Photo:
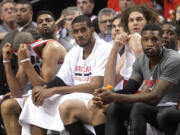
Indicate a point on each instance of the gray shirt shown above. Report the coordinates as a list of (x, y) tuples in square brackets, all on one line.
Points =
[(167, 69), (3, 28), (68, 42)]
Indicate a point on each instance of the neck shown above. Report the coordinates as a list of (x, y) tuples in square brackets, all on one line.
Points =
[(70, 33), (11, 25), (88, 49), (49, 36), (104, 35), (22, 24), (89, 15)]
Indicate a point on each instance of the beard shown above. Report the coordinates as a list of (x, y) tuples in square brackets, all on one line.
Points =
[(86, 43), (107, 31), (153, 53)]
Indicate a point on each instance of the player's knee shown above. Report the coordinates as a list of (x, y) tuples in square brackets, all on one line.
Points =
[(65, 109), (138, 108), (164, 116), (10, 106)]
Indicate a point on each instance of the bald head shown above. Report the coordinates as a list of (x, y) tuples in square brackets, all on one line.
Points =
[(22, 38)]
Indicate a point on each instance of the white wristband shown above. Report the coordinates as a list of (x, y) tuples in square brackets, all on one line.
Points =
[(6, 61), (24, 60)]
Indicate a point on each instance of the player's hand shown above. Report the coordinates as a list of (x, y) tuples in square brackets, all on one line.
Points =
[(103, 97), (39, 94), (7, 51), (120, 40), (134, 41), (23, 52), (6, 96)]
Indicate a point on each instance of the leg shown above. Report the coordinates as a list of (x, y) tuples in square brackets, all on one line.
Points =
[(178, 130), (142, 113), (117, 114), (97, 117), (96, 114), (71, 114), (168, 120), (10, 111), (37, 130)]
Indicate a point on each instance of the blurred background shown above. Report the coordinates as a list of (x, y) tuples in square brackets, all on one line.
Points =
[(56, 6)]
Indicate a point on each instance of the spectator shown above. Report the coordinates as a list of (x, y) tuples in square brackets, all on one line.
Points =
[(87, 7), (169, 7), (8, 17), (175, 18), (124, 4), (116, 26), (105, 17), (120, 5), (69, 14)]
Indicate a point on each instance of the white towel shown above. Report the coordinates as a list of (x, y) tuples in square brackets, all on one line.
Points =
[(47, 116), (128, 62)]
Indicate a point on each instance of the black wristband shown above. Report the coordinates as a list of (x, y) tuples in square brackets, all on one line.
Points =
[(56, 82)]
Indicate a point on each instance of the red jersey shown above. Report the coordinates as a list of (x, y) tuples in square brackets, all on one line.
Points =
[(114, 4)]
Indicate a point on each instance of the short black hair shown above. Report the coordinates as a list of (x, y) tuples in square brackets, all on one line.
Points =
[(170, 23), (152, 27), (177, 28), (45, 12), (25, 2), (22, 38), (82, 18)]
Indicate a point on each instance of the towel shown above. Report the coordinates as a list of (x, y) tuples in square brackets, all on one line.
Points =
[(47, 116)]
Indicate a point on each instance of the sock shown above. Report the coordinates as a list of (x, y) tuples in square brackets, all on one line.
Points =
[(76, 128), (99, 129)]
